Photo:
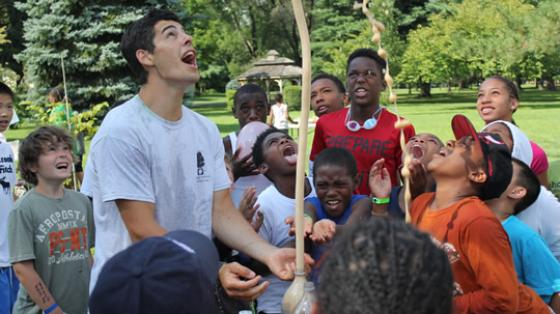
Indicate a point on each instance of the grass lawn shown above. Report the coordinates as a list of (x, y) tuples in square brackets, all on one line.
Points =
[(538, 115)]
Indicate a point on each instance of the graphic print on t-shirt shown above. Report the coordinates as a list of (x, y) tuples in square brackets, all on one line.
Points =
[(67, 234), (6, 167)]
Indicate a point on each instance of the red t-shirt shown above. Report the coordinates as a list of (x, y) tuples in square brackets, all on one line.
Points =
[(367, 146), (480, 255)]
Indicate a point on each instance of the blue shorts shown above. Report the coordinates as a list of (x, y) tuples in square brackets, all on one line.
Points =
[(9, 286)]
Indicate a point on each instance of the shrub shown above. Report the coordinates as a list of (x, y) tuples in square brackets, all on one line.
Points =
[(229, 98), (292, 96)]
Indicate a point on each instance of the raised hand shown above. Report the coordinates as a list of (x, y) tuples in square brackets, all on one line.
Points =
[(242, 167), (248, 204), (379, 179), (307, 225), (323, 231)]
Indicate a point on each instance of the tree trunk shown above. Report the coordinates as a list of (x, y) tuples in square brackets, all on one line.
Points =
[(550, 84), (425, 90), (519, 81)]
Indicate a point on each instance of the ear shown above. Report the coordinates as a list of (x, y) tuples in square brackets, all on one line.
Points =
[(517, 193), (144, 57), (263, 168), (477, 176), (345, 100), (514, 104)]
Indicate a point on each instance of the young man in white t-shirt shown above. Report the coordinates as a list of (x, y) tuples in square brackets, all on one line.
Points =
[(8, 282), (155, 166)]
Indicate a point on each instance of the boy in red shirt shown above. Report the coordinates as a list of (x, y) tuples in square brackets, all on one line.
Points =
[(474, 168), (366, 128)]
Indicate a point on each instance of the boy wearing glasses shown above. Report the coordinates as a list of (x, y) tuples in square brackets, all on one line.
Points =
[(366, 129)]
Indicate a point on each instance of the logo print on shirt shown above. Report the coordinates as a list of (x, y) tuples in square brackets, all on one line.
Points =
[(200, 163), (5, 185)]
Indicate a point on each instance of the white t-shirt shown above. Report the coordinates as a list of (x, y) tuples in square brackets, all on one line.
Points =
[(7, 182), (137, 155), (543, 216), (276, 208), (279, 115)]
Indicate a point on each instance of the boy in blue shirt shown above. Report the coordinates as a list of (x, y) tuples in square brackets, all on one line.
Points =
[(535, 265), (335, 177)]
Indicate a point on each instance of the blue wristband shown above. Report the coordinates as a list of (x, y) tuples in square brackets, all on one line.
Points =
[(51, 308)]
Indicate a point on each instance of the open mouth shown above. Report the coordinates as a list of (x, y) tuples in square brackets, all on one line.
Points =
[(360, 92), (62, 165), (486, 110), (416, 151), (333, 203), (290, 154), (322, 110), (189, 58)]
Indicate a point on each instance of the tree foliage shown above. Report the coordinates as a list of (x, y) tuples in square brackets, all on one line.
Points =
[(86, 35), (479, 38)]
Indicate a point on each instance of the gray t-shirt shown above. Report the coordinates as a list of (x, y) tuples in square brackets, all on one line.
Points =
[(57, 235), (137, 155)]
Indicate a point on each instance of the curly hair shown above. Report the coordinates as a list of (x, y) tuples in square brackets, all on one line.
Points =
[(367, 53), (335, 156), (34, 145), (385, 266), (258, 153)]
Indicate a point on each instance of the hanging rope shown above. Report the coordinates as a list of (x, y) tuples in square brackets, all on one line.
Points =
[(377, 28)]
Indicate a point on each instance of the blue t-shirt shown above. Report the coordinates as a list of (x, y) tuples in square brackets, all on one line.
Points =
[(320, 213), (394, 208), (535, 265)]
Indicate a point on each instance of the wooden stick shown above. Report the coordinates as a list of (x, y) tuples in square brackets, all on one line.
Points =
[(295, 292), (68, 123)]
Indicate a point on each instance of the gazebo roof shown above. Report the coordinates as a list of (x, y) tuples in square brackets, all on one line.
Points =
[(272, 67)]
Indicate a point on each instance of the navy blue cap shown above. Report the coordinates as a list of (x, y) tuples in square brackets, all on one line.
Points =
[(176, 273)]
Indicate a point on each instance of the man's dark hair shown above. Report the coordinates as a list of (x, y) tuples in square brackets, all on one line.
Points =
[(332, 78), (248, 89), (336, 157), (367, 53), (4, 89), (140, 35), (279, 97), (530, 182), (258, 153), (385, 266), (35, 144)]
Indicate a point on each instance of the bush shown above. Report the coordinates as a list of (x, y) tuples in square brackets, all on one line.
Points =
[(292, 97), (229, 98)]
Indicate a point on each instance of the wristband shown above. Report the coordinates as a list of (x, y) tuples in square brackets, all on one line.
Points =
[(50, 308), (380, 201)]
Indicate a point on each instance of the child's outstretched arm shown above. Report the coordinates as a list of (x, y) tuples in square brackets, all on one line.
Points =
[(324, 231), (38, 291), (380, 187), (309, 220)]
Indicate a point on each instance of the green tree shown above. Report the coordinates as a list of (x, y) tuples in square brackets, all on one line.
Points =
[(87, 35), (476, 39)]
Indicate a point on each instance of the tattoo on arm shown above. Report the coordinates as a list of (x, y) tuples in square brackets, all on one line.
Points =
[(43, 293)]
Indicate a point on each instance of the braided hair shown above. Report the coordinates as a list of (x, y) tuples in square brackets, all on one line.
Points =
[(385, 266)]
